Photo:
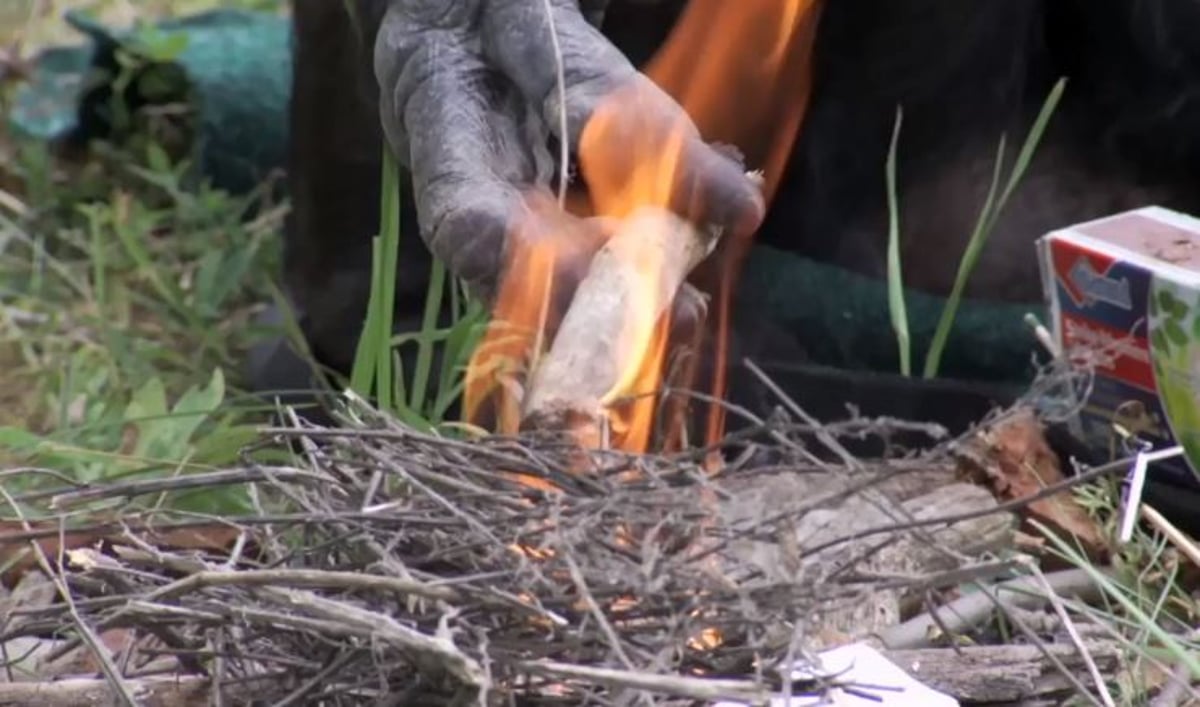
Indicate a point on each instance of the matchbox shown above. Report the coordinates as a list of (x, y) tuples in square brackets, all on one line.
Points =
[(1123, 294)]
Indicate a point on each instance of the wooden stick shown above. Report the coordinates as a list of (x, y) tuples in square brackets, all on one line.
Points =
[(707, 689), (1177, 537), (631, 283)]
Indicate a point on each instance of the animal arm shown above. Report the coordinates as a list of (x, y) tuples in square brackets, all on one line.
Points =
[(469, 97)]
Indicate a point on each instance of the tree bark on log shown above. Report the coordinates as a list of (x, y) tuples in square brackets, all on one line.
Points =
[(789, 551), (1003, 674)]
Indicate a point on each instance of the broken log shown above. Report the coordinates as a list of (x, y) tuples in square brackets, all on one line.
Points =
[(828, 508), (1008, 674)]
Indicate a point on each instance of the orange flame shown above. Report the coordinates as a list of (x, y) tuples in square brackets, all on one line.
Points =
[(740, 70)]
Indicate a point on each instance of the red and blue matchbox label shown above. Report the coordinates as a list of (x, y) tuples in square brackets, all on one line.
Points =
[(1124, 299)]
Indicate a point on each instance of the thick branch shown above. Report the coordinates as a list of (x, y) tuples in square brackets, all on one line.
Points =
[(610, 325)]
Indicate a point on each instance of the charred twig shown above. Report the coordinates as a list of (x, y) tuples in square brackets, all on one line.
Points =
[(827, 439)]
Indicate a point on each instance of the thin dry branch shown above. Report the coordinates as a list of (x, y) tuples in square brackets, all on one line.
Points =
[(695, 688), (86, 634), (307, 579), (459, 579)]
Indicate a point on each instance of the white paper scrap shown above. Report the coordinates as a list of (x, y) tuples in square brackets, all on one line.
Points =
[(1137, 484), (881, 683)]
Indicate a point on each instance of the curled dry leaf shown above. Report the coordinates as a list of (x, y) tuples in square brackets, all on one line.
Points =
[(1013, 459)]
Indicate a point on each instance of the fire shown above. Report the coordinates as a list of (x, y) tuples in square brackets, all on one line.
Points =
[(706, 639), (740, 70)]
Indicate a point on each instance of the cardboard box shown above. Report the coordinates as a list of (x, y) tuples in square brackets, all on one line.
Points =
[(1123, 294)]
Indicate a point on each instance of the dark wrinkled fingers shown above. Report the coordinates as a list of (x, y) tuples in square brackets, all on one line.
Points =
[(460, 128), (639, 138), (554, 247), (411, 35), (468, 170), (640, 121), (459, 79), (517, 38), (713, 188)]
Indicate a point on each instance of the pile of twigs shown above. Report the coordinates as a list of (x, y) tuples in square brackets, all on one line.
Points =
[(389, 562)]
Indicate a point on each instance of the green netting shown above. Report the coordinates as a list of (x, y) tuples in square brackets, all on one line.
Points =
[(235, 66), (850, 327)]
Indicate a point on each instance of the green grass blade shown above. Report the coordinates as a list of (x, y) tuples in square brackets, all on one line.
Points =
[(983, 229), (386, 296), (98, 256), (131, 234), (399, 386), (1173, 644), (460, 344), (895, 275), (933, 357), (456, 301), (433, 305), (372, 371), (362, 374), (1033, 139)]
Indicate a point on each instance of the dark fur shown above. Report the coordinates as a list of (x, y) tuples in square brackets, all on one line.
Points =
[(1123, 137), (334, 167), (1127, 134)]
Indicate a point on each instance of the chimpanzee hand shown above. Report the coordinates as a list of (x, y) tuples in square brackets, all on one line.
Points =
[(468, 96)]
